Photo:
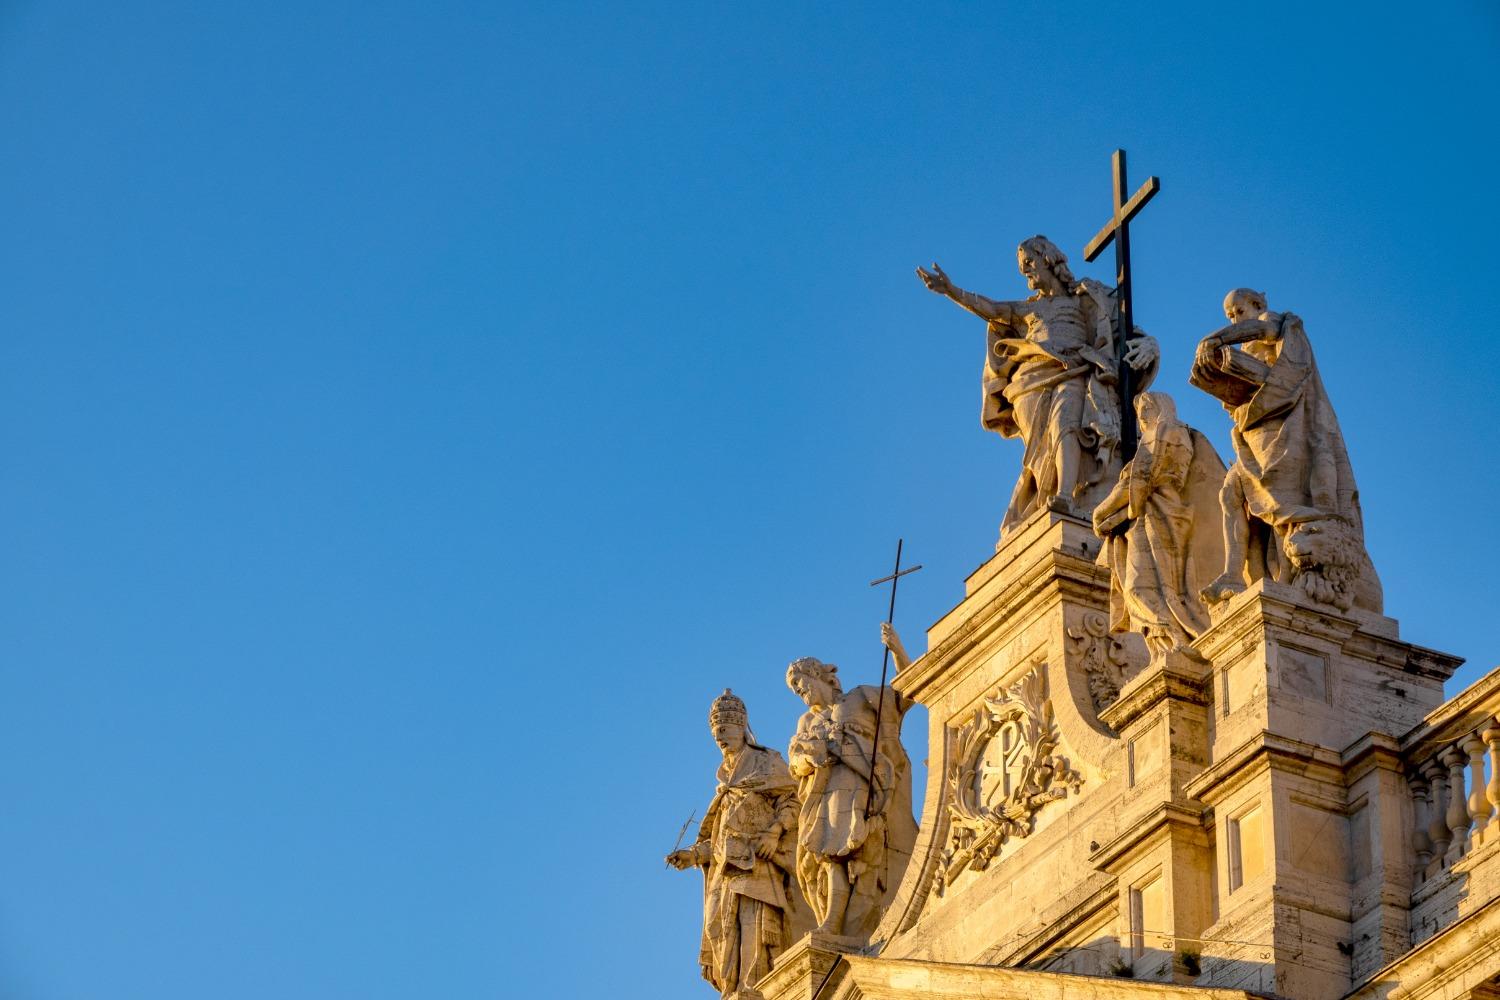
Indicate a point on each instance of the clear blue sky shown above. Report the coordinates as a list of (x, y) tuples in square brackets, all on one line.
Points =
[(413, 414)]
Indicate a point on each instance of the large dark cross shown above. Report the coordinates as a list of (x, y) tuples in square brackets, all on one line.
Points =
[(1117, 231)]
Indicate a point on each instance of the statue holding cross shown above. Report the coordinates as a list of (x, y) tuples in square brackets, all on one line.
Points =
[(1058, 366)]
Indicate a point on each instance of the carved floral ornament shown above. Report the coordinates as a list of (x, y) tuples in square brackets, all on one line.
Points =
[(1003, 770), (1103, 659)]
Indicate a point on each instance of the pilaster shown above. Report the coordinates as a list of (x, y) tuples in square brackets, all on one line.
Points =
[(1311, 810)]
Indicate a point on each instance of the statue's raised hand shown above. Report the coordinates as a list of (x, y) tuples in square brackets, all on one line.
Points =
[(935, 280), (682, 859), (892, 641)]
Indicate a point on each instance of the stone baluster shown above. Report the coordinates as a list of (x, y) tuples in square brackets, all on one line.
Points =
[(1491, 736), (1479, 803), (1421, 843), (1458, 805), (1437, 823)]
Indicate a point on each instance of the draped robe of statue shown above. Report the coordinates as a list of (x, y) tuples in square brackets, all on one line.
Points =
[(749, 903), (1162, 533), (833, 789), (1057, 376), (1290, 458)]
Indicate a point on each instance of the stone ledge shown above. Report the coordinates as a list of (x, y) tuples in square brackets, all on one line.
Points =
[(895, 979), (1188, 815), (1178, 676), (807, 965), (1460, 957), (1265, 750)]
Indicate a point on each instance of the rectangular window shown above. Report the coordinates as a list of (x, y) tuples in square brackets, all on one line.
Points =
[(1148, 915), (1247, 847)]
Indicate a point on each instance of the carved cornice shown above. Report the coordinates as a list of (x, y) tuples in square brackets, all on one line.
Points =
[(1188, 817), (1457, 958), (1056, 574), (1267, 608), (1177, 676), (1075, 908), (1372, 751), (1260, 753), (1455, 718)]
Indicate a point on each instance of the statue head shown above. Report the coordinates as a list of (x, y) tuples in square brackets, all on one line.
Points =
[(1244, 303), (815, 682), (729, 722), (1044, 266), (1153, 409)]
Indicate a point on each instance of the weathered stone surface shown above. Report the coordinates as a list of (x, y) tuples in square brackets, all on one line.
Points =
[(812, 967), (1132, 793), (885, 979)]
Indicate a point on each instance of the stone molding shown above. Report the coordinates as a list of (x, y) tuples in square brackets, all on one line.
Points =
[(898, 979), (1265, 751), (1188, 816), (1178, 677), (1460, 958)]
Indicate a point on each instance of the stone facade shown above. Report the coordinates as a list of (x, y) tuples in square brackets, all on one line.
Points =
[(1142, 781), (1245, 821)]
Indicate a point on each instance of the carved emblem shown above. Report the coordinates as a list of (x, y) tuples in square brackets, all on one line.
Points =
[(1005, 767), (1103, 659)]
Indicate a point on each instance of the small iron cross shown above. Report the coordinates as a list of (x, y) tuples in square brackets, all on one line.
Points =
[(1117, 231), (885, 662)]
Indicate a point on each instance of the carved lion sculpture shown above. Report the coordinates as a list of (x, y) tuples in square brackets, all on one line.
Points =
[(1329, 563)]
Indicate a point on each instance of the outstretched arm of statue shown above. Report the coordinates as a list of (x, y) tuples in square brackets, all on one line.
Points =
[(937, 281), (1241, 333), (700, 853), (892, 641)]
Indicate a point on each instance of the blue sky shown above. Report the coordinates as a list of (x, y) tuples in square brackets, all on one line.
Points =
[(414, 414)]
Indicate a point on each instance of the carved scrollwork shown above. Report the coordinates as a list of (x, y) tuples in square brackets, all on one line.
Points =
[(1004, 768), (1103, 659)]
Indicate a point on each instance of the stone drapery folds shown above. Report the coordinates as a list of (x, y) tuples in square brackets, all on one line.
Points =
[(853, 836), (1290, 504), (1160, 529), (1050, 379), (751, 903)]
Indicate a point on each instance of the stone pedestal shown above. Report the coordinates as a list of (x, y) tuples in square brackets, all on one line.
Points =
[(1163, 860), (1305, 790), (808, 966)]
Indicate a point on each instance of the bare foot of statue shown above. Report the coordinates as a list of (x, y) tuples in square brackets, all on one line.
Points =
[(1160, 645), (1062, 505), (1222, 589)]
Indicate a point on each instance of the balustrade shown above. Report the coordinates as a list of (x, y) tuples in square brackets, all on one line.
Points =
[(1454, 809)]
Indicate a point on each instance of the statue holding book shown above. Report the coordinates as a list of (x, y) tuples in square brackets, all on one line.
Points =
[(1290, 503)]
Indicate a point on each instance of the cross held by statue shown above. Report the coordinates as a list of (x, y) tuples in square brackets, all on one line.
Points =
[(885, 661), (1117, 231)]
